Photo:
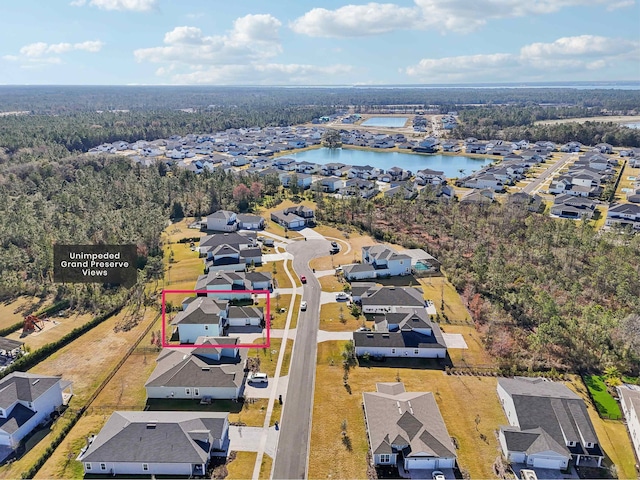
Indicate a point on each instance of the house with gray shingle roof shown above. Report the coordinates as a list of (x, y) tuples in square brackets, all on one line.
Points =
[(157, 443), (378, 261), (548, 425), (27, 400), (407, 428), (405, 333), (205, 372), (202, 316), (388, 299)]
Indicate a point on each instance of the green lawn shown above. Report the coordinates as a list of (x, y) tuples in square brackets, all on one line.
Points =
[(605, 404)]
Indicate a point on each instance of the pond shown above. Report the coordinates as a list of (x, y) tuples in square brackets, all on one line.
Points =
[(449, 164), (392, 122)]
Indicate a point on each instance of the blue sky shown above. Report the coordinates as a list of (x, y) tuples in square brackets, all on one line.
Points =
[(285, 42)]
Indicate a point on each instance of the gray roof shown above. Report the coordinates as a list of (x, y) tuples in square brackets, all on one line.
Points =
[(17, 418), (157, 437), (409, 420), (551, 407), (233, 239), (201, 311), (394, 296), (26, 387), (359, 288), (400, 339), (357, 268), (7, 344), (199, 367), (383, 252), (245, 312), (246, 218), (221, 214)]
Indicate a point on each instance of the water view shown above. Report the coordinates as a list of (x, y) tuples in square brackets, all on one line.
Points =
[(450, 165), (390, 122), (632, 125)]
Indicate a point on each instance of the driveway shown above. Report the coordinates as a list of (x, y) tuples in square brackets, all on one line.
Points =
[(275, 257), (330, 297), (260, 390), (535, 184), (311, 234), (247, 439), (326, 336), (544, 473)]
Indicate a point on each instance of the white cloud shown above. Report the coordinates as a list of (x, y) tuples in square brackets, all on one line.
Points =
[(567, 54), (243, 55), (40, 49), (621, 4), (443, 15), (252, 37), (356, 20), (123, 5)]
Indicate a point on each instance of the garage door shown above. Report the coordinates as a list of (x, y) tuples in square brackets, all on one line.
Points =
[(420, 463), (547, 463)]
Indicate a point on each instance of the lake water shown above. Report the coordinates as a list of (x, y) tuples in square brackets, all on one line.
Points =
[(450, 165), (632, 125), (391, 122)]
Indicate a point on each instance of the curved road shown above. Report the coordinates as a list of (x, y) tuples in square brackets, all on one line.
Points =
[(293, 446)]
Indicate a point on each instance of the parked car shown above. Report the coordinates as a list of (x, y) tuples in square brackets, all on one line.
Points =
[(342, 296), (363, 329), (258, 377), (303, 279), (303, 305), (437, 475), (334, 244)]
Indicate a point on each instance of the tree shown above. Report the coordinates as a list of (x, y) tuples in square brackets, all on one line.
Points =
[(176, 210), (242, 195), (331, 138)]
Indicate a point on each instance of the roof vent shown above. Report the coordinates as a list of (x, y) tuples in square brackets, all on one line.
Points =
[(35, 381), (151, 426), (205, 369)]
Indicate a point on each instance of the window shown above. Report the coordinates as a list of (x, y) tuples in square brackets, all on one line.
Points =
[(145, 466), (589, 445), (416, 352), (206, 327), (385, 458), (572, 444), (103, 466), (196, 391), (187, 391), (87, 466), (393, 351)]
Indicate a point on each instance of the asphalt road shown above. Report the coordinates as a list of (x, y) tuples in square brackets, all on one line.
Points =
[(535, 184), (293, 446)]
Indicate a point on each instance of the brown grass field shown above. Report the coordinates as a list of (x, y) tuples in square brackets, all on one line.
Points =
[(330, 318), (626, 183), (606, 119), (475, 355), (280, 278), (179, 230), (269, 356), (476, 455), (54, 329), (242, 466), (265, 467), (344, 257), (86, 362), (331, 283), (14, 311)]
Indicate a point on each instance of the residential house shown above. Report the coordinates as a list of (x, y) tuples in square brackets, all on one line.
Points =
[(365, 172), (624, 215), (378, 261), (202, 317), (303, 180), (355, 187), (406, 429), (525, 201), (431, 177), (222, 221), (297, 216), (157, 443), (250, 222), (576, 208), (245, 317), (629, 396), (27, 400), (478, 197), (237, 284), (329, 184), (388, 299), (330, 169), (548, 425), (405, 332), (451, 147), (215, 370), (405, 191)]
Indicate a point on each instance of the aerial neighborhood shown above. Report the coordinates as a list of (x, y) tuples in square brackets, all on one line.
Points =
[(280, 323)]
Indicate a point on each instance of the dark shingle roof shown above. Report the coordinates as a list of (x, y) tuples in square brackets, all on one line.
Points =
[(201, 311), (394, 296), (24, 386), (19, 416), (153, 437)]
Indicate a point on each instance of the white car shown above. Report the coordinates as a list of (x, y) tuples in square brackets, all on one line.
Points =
[(437, 475), (258, 377), (342, 296), (303, 305)]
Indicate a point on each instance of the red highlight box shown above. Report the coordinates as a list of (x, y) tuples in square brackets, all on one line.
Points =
[(267, 316)]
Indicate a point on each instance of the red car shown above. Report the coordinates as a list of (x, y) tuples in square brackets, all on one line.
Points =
[(303, 279)]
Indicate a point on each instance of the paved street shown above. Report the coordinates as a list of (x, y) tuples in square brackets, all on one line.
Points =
[(534, 186), (293, 447)]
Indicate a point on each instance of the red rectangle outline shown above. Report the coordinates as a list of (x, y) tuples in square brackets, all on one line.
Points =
[(165, 344)]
